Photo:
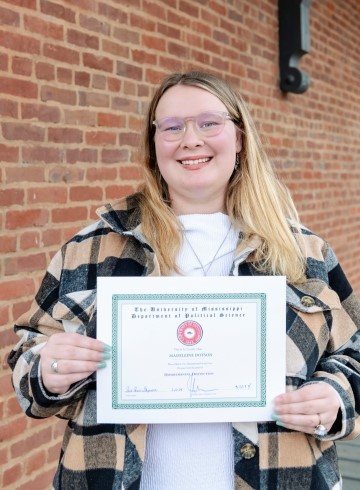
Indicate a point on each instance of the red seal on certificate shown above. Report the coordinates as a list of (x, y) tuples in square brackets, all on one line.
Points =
[(189, 332)]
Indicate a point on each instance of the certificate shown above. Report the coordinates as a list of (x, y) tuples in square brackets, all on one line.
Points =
[(190, 349)]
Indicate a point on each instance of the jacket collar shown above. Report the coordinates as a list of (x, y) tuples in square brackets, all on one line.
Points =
[(123, 217)]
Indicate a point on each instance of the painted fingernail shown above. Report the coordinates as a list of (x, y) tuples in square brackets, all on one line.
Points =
[(280, 423), (107, 348), (106, 356), (274, 416), (101, 365)]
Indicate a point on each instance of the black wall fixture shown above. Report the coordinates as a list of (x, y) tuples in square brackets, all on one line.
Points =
[(294, 42)]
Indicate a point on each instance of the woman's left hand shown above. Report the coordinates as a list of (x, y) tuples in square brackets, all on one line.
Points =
[(306, 408)]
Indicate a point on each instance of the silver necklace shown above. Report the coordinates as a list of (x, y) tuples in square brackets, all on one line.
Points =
[(205, 271)]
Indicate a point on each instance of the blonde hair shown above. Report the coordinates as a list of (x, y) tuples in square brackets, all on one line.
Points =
[(256, 200)]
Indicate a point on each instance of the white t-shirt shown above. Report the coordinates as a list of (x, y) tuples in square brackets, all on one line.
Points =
[(195, 456)]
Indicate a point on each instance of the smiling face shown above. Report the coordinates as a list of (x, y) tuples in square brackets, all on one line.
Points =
[(197, 167)]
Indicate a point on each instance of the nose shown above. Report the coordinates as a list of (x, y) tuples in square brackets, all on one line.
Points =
[(191, 137)]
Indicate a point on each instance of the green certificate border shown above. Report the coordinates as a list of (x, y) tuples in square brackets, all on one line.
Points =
[(259, 298)]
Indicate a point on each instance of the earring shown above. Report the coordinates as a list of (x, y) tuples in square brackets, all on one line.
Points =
[(237, 161)]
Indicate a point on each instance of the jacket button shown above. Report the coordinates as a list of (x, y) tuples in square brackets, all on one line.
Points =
[(247, 451), (307, 301)]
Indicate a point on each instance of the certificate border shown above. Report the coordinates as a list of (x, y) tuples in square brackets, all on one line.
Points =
[(261, 402)]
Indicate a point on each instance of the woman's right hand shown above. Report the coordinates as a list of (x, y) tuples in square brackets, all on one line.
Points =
[(77, 357)]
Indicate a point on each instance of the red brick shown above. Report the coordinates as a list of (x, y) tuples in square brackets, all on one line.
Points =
[(29, 4), (25, 218), (45, 71), (12, 406), (12, 474), (9, 108), (3, 457), (42, 154), (57, 10), (35, 460), (18, 88), (98, 81), (86, 193), (142, 21), (178, 50), (130, 173), (123, 104), (114, 84), (82, 39), (100, 138), (153, 43), (114, 155), (179, 19), (19, 308), (110, 120), (7, 244), (88, 155), (8, 339), (65, 135), (11, 429), (62, 54), (218, 7), (29, 263), (48, 194), (113, 192), (64, 75), (69, 215), (9, 197), (82, 117), (40, 112), (116, 15), (47, 29), (97, 62), (82, 78), (22, 66), (19, 42), (29, 239), (4, 62), (154, 9), (94, 100), (129, 70), (42, 435), (25, 132), (51, 237), (9, 153), (126, 36), (100, 174), (95, 25), (116, 49), (140, 56), (132, 139), (67, 175), (9, 17), (24, 174), (64, 96)]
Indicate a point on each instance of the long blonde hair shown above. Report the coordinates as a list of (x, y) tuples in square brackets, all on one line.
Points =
[(256, 200)]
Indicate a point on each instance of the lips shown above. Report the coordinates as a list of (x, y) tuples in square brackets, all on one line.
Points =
[(195, 161)]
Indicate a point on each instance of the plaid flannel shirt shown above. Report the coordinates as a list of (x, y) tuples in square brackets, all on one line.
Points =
[(323, 345)]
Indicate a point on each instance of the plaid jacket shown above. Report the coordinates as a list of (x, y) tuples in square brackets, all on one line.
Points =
[(323, 344)]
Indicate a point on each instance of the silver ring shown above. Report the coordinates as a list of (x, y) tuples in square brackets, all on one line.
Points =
[(54, 366), (320, 429)]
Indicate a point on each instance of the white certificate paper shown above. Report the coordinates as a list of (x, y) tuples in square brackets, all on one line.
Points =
[(190, 349)]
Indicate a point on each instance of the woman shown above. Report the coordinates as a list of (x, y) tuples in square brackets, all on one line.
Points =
[(210, 205)]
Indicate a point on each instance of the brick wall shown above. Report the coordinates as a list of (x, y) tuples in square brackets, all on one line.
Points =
[(75, 78)]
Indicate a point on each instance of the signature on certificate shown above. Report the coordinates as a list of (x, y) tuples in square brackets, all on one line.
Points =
[(194, 388), (136, 389)]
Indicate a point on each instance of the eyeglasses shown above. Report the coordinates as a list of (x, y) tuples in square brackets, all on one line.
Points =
[(207, 124)]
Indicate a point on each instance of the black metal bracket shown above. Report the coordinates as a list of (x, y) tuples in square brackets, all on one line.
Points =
[(294, 42)]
